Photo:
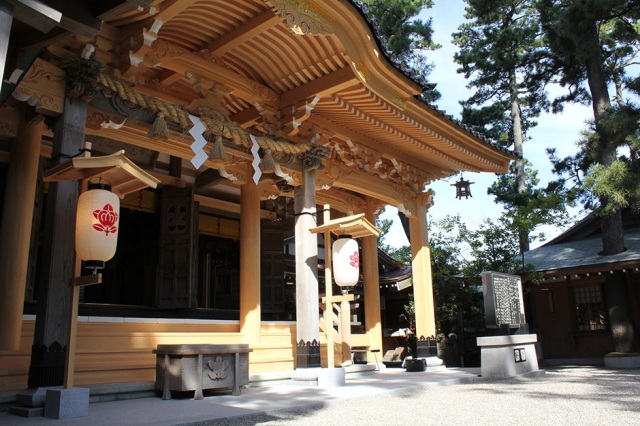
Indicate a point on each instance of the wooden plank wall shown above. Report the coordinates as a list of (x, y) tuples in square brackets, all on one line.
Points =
[(119, 351)]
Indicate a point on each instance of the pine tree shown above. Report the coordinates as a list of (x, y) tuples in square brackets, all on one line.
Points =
[(580, 48), (499, 47), (407, 37)]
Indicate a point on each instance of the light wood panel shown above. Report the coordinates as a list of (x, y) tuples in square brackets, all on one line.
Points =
[(114, 352)]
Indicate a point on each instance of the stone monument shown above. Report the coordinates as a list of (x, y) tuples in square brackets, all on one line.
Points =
[(511, 351)]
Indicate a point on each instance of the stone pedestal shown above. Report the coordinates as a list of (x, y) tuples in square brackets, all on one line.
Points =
[(507, 356), (66, 403), (321, 377), (619, 360)]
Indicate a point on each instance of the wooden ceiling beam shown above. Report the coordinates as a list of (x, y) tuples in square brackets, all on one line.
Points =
[(341, 200), (114, 11), (244, 33), (180, 60), (321, 87), (246, 118), (365, 184), (228, 206)]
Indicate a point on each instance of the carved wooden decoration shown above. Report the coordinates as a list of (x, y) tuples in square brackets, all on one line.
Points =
[(43, 87), (303, 17)]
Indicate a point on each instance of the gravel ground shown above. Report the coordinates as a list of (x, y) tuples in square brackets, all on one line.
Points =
[(563, 396)]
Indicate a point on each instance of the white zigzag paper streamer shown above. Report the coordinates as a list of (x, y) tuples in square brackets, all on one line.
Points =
[(256, 160), (199, 142)]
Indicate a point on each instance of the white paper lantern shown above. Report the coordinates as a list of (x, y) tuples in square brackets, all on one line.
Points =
[(346, 261), (97, 223)]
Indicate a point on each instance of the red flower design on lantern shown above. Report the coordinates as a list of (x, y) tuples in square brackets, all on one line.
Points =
[(106, 218), (354, 260)]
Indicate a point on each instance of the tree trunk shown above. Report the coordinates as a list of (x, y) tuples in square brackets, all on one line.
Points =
[(619, 312), (518, 139), (616, 285)]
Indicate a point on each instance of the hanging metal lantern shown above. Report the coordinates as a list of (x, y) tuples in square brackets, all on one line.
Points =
[(97, 223), (346, 261), (463, 188)]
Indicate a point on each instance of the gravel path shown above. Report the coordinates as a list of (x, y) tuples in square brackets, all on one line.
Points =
[(563, 396)]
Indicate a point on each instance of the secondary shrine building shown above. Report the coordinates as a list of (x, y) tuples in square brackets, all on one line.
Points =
[(257, 121)]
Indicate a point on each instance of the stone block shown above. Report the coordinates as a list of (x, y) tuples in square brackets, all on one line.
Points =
[(331, 377), (66, 403), (507, 356), (622, 361), (34, 397)]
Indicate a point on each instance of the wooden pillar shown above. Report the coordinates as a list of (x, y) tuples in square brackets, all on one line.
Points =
[(15, 234), (6, 18), (250, 262), (421, 269), (372, 318), (58, 257), (328, 279), (345, 331), (307, 303)]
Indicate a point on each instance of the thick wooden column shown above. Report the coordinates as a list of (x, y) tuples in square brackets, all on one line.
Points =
[(58, 257), (307, 303), (15, 234), (421, 269), (372, 318), (250, 262)]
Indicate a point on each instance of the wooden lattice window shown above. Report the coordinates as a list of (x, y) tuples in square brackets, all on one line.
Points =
[(590, 308)]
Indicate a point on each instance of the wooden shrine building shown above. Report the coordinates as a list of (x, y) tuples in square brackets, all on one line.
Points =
[(252, 115)]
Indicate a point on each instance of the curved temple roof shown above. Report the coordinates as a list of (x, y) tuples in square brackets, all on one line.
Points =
[(305, 72)]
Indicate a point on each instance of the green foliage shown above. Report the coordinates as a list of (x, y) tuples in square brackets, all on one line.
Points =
[(459, 255), (498, 49), (407, 37), (532, 206), (402, 254), (605, 172), (397, 18), (581, 36)]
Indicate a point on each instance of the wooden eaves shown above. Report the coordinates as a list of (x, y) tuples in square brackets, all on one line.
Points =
[(121, 173), (355, 225)]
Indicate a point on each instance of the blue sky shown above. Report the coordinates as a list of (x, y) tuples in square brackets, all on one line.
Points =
[(560, 131)]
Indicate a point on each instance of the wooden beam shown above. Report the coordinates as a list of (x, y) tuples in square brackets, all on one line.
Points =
[(171, 8), (247, 117), (167, 180), (36, 14), (366, 184), (228, 206), (321, 87), (175, 166), (209, 178), (180, 60), (340, 298), (114, 11), (243, 33)]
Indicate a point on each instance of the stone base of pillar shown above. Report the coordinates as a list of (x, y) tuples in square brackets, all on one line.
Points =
[(67, 403), (321, 377), (308, 354)]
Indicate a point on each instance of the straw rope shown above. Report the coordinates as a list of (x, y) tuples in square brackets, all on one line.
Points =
[(213, 124)]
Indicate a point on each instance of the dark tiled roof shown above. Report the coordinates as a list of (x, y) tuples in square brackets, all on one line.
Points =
[(582, 253)]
